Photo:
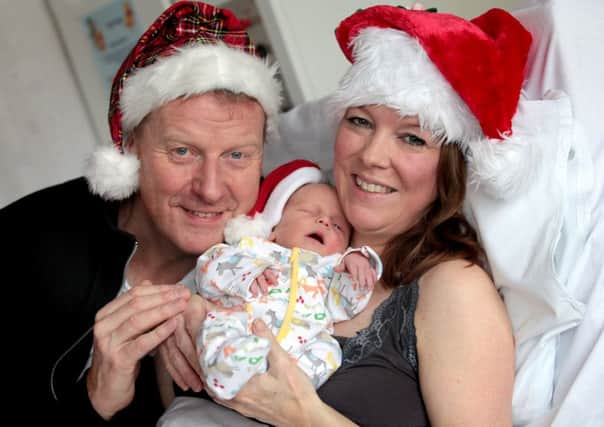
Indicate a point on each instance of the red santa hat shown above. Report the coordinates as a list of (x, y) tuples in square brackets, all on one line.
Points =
[(191, 48), (461, 78), (275, 191)]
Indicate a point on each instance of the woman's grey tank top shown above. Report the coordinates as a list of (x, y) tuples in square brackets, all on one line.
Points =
[(378, 382)]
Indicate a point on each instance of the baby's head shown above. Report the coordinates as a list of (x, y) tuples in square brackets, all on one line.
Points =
[(313, 219), (294, 209)]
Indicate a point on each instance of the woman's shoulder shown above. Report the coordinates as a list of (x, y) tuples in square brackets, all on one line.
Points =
[(456, 276), (461, 289)]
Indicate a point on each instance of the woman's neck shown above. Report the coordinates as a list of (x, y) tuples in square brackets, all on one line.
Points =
[(377, 243)]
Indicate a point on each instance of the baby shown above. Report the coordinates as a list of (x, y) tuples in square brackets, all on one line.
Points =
[(303, 237)]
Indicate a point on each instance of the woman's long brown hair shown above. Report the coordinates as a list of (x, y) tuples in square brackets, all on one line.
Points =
[(441, 234)]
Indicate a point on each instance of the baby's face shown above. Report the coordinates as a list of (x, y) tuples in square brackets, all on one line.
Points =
[(313, 219)]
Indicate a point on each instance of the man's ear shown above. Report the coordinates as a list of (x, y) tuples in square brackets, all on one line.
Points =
[(272, 237)]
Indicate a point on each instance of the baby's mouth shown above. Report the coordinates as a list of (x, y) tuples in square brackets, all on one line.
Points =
[(317, 237)]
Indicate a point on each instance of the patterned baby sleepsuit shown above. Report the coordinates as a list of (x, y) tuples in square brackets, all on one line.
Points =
[(300, 310)]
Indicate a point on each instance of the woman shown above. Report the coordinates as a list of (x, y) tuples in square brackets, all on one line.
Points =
[(434, 346)]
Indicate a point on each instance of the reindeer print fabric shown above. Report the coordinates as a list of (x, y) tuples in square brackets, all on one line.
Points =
[(300, 310)]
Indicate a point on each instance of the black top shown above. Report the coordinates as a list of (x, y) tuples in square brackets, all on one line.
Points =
[(65, 260), (378, 383)]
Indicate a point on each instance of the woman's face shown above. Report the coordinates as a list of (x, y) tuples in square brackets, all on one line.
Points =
[(385, 170)]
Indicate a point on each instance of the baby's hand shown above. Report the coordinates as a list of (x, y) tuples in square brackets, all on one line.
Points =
[(264, 281), (359, 268)]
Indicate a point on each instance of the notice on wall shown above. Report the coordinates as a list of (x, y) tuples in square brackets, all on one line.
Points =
[(113, 30)]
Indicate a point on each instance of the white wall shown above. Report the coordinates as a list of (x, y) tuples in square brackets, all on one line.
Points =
[(45, 132)]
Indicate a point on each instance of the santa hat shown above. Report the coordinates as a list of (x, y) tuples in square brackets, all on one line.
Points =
[(191, 49), (275, 191), (461, 78)]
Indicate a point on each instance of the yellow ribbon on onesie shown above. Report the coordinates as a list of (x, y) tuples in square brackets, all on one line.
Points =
[(293, 296)]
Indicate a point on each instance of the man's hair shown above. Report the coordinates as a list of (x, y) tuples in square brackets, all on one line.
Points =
[(441, 234), (226, 95)]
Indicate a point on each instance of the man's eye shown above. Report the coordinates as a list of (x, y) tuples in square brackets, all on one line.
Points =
[(237, 155), (182, 154)]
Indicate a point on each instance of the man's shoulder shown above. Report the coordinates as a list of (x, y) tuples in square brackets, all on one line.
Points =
[(64, 201)]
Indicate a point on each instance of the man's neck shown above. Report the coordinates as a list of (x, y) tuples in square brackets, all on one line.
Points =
[(155, 258)]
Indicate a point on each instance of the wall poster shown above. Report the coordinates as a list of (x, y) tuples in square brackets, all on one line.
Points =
[(112, 31)]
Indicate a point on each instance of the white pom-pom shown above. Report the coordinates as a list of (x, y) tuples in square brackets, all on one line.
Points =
[(502, 168), (112, 175), (505, 168), (243, 226)]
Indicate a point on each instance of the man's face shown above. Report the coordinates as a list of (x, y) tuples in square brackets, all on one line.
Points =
[(201, 162)]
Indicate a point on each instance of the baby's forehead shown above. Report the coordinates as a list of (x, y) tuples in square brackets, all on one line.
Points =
[(320, 195), (317, 190)]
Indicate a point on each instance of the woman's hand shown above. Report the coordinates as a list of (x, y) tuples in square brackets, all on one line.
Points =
[(282, 396), (178, 352), (125, 331)]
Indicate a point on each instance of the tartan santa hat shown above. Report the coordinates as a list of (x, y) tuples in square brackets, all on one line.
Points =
[(275, 191), (461, 78), (192, 48)]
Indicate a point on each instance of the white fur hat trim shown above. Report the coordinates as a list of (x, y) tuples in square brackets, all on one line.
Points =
[(197, 69), (263, 222), (191, 70), (391, 68), (112, 175)]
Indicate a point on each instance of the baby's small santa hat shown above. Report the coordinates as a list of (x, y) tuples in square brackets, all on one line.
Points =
[(461, 78), (275, 191), (192, 48)]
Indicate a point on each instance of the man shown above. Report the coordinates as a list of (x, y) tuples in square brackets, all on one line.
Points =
[(190, 109)]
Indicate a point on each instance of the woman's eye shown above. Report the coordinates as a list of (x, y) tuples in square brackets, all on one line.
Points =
[(413, 140), (359, 121)]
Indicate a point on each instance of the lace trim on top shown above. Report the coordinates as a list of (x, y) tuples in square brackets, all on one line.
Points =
[(401, 305)]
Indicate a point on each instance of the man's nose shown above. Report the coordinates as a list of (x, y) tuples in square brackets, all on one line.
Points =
[(207, 183)]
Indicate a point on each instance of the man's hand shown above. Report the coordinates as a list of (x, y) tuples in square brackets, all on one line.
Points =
[(126, 330)]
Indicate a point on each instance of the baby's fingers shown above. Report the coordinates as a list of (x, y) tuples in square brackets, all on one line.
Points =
[(370, 278), (341, 267), (262, 284), (255, 287), (271, 278)]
